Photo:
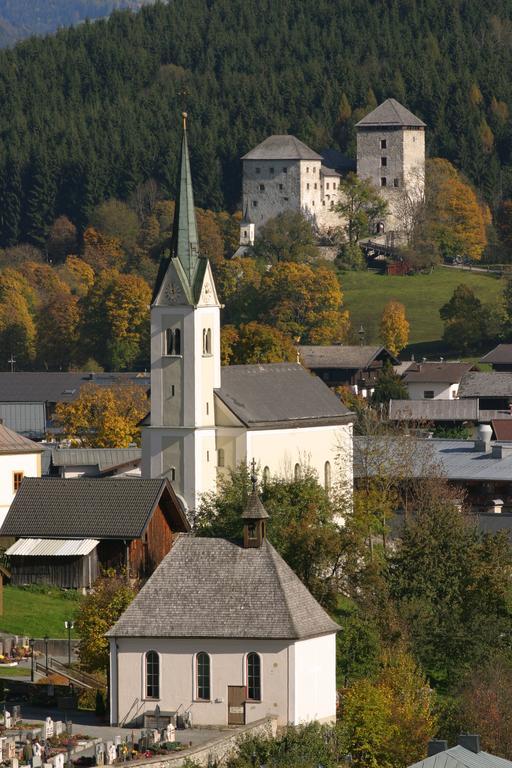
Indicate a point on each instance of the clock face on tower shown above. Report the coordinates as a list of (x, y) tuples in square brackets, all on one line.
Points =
[(172, 292)]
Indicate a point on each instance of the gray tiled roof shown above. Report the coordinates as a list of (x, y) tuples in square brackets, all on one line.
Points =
[(391, 113), (282, 147), (445, 372), (500, 354), (342, 356), (272, 394), (11, 442), (459, 757), (103, 458), (215, 588), (55, 387), (254, 509), (479, 384), (434, 410), (58, 508)]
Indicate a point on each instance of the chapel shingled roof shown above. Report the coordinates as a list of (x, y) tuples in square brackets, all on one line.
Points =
[(390, 114), (79, 508), (263, 395), (11, 442), (282, 147), (215, 588)]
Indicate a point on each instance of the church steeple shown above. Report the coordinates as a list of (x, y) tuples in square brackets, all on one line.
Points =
[(255, 517), (185, 242)]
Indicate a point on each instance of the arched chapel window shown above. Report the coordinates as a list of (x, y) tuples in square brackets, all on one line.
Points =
[(254, 676), (203, 683), (152, 675), (296, 472), (327, 475), (266, 475)]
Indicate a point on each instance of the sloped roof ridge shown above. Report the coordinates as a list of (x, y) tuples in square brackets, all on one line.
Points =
[(276, 561), (11, 441), (391, 112)]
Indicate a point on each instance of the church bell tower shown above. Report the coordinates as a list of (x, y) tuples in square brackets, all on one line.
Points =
[(179, 442)]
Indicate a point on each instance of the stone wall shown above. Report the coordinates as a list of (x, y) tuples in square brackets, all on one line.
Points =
[(281, 188)]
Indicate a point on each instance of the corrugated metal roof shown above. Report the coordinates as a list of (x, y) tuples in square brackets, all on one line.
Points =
[(25, 418), (103, 458), (52, 547), (459, 757), (55, 387)]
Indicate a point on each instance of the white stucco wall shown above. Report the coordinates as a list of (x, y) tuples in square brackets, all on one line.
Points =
[(314, 694), (441, 390), (177, 678), (28, 463)]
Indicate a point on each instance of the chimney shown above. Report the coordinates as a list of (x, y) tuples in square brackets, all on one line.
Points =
[(496, 506), (483, 438), (435, 746), (470, 741)]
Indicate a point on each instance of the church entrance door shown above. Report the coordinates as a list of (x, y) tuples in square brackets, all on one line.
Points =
[(236, 704)]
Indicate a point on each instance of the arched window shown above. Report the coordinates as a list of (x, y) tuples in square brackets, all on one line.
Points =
[(266, 475), (220, 457), (203, 676), (327, 475), (152, 675), (296, 472), (254, 676), (172, 474), (172, 341), (207, 341)]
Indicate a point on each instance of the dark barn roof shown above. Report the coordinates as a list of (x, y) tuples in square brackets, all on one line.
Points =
[(58, 508), (279, 393), (215, 588), (56, 387), (434, 410), (500, 354), (491, 384), (442, 372), (343, 356)]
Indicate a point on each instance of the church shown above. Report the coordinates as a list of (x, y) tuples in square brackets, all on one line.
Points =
[(206, 420)]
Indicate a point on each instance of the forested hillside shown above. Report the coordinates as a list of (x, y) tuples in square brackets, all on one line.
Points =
[(93, 111), (21, 18)]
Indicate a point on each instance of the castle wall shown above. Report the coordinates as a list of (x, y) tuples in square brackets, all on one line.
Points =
[(270, 187)]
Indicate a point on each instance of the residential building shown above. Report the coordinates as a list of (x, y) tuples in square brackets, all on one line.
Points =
[(226, 632), (69, 529), (19, 458), (500, 358), (493, 390), (391, 154), (435, 380), (204, 420), (342, 365)]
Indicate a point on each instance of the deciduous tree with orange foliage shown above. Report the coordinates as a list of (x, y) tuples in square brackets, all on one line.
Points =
[(104, 417), (102, 251), (255, 343), (304, 302), (17, 327), (394, 327)]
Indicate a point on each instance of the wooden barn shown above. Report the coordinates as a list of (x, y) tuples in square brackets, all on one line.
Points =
[(68, 530)]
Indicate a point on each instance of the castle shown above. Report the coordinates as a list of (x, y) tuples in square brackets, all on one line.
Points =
[(283, 174)]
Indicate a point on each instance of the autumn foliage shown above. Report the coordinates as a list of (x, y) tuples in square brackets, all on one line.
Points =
[(394, 327)]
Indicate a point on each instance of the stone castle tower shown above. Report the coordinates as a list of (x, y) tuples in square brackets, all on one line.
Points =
[(391, 153), (179, 442)]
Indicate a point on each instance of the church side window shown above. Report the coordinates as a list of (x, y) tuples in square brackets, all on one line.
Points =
[(152, 675), (254, 676), (203, 683), (220, 457), (296, 472), (266, 475), (327, 475), (207, 341), (172, 341)]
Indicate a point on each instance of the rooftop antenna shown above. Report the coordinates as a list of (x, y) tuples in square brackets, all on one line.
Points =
[(12, 362)]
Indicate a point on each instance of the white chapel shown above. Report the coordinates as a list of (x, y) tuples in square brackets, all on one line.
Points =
[(206, 419)]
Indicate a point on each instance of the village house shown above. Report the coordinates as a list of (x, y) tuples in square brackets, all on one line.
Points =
[(431, 380), (67, 530), (493, 390), (225, 633), (500, 358), (342, 365), (205, 420), (19, 458)]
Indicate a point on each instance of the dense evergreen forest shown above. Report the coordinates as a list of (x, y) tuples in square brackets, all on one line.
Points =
[(21, 18), (91, 112)]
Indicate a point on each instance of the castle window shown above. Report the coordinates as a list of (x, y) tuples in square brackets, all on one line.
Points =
[(383, 181), (315, 185), (307, 169), (314, 170), (152, 675), (327, 185), (334, 185), (312, 202), (203, 676), (307, 186), (286, 199), (323, 202), (327, 475), (207, 408), (172, 474), (254, 203), (245, 234), (220, 457), (383, 144), (285, 169), (383, 162), (396, 183), (172, 341), (253, 677), (207, 455), (281, 187), (262, 187), (258, 170)]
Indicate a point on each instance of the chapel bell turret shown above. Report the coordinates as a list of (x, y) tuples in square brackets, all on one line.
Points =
[(255, 518)]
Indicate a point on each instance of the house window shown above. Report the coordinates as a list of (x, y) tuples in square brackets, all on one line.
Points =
[(428, 394), (296, 472), (172, 341), (383, 144), (383, 162), (327, 475), (17, 477), (383, 181), (395, 182), (203, 676), (220, 457), (172, 474), (254, 676), (266, 475), (207, 341), (152, 675), (262, 187)]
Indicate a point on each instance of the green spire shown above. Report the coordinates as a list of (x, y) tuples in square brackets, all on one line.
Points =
[(185, 242)]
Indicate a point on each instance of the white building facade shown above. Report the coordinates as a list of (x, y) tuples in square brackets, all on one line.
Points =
[(19, 458)]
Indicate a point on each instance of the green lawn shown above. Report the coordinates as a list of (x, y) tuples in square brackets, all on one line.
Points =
[(366, 293), (37, 612)]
